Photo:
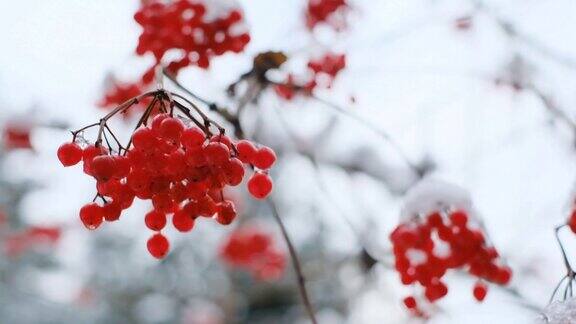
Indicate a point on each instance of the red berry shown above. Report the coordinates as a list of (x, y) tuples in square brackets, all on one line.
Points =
[(226, 212), (264, 158), (459, 218), (91, 216), (144, 139), (69, 154), (193, 137), (158, 245), (480, 290), (111, 211), (410, 302), (246, 151), (183, 221), (155, 220), (103, 167), (217, 153), (171, 128), (260, 185)]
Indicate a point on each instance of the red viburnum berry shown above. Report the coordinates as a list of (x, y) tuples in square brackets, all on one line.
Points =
[(264, 158), (246, 151), (226, 212), (480, 291), (183, 221), (410, 302), (158, 245), (103, 167), (111, 211), (193, 137), (259, 185), (171, 128), (69, 154), (155, 220), (91, 216)]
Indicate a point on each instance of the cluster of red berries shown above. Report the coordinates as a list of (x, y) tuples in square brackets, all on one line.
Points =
[(118, 93), (183, 25), (325, 11), (425, 249), (16, 135), (253, 250), (34, 236), (178, 167), (323, 71)]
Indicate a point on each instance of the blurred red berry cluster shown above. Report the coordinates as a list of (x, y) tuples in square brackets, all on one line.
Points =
[(182, 27), (325, 11), (179, 168), (253, 250), (323, 71), (16, 135), (425, 249)]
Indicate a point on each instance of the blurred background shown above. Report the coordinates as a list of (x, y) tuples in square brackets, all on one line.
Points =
[(477, 93)]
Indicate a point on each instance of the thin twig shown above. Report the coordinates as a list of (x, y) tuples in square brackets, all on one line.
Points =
[(234, 121), (374, 129), (295, 262)]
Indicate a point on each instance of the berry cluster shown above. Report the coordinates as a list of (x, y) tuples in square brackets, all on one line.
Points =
[(35, 236), (325, 11), (184, 25), (253, 250), (181, 169), (323, 71), (117, 93), (425, 249), (16, 135)]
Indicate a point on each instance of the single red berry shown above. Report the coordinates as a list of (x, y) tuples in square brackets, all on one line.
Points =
[(264, 158), (91, 216), (480, 290), (158, 245), (220, 138), (504, 275), (259, 185), (182, 221), (410, 302), (69, 154), (216, 153), (226, 212), (111, 211), (459, 218), (103, 167), (234, 171), (193, 137), (155, 220), (157, 121), (163, 202), (246, 151), (171, 128), (144, 139)]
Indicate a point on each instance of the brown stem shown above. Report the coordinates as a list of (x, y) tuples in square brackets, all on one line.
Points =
[(295, 262)]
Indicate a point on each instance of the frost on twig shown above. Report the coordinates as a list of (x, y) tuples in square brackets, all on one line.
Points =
[(559, 312)]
